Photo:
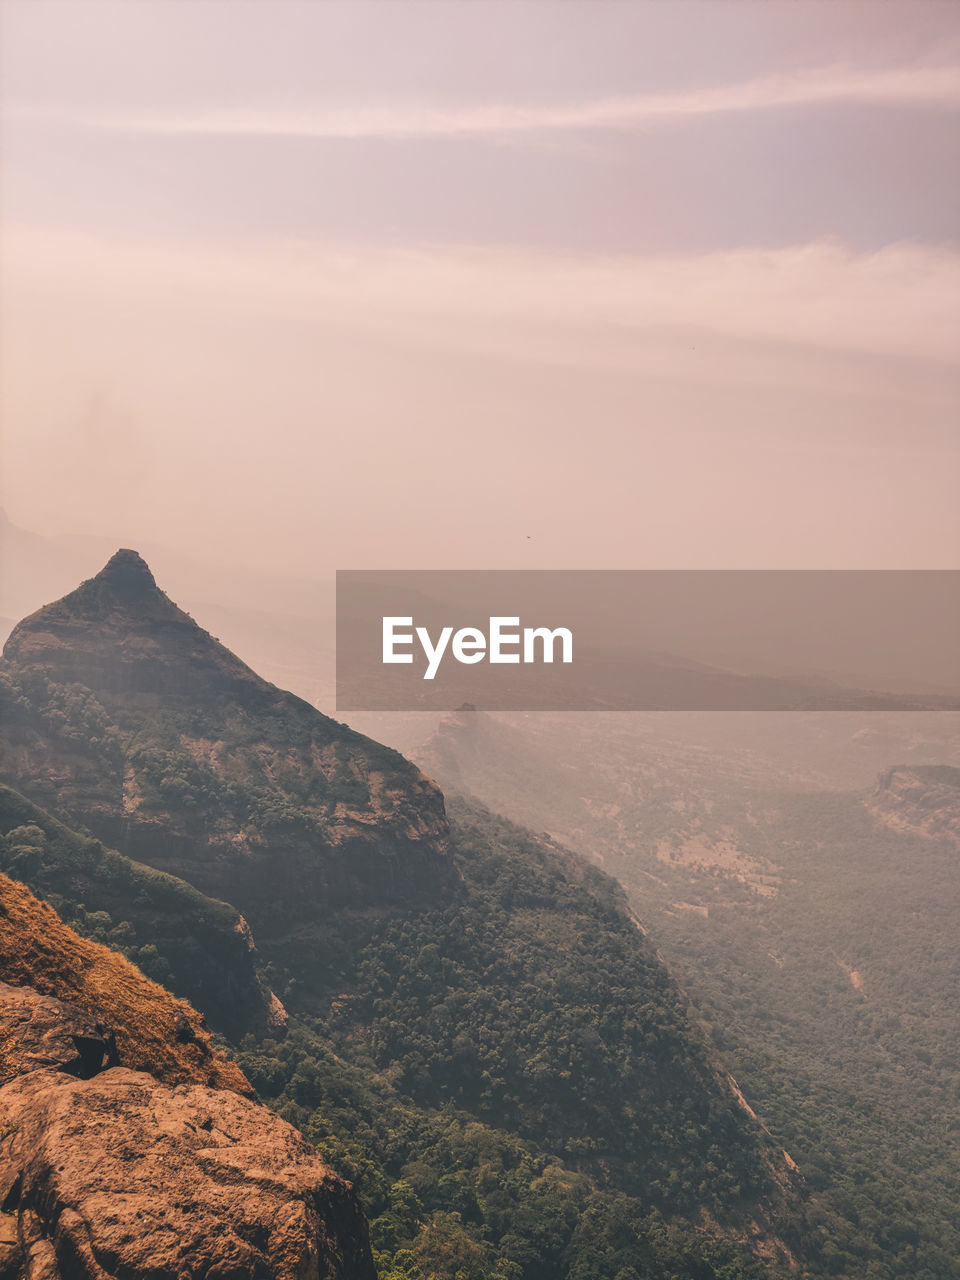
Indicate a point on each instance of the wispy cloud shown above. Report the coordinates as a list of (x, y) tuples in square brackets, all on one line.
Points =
[(900, 302), (918, 86), (787, 407)]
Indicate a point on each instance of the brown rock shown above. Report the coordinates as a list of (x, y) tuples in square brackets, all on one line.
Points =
[(121, 1176), (38, 1031), (154, 1031), (111, 1172)]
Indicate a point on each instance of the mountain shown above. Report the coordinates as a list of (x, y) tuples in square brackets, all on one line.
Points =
[(122, 712), (131, 1146), (811, 922), (479, 1035), (284, 626), (286, 621)]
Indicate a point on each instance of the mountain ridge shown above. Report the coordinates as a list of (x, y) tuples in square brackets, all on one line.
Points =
[(464, 976), (170, 748)]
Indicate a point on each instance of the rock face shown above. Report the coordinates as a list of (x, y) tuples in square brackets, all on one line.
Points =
[(922, 799), (121, 714), (38, 1031), (121, 1176), (110, 1172)]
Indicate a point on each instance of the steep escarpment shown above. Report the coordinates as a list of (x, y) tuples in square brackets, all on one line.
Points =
[(119, 711), (126, 1148), (922, 799)]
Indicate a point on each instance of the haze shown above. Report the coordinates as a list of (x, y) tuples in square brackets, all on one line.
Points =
[(387, 285)]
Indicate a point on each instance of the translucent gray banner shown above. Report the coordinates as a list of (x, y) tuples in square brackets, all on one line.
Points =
[(648, 640)]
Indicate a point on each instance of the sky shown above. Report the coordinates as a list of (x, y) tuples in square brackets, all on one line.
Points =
[(484, 284)]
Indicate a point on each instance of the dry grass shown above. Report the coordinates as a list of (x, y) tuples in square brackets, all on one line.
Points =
[(38, 950)]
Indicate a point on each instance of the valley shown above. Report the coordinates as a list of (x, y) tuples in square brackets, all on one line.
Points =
[(813, 930)]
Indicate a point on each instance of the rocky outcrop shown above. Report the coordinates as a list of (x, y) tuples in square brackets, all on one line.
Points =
[(922, 800), (121, 1176), (38, 1031), (153, 1031), (162, 1173)]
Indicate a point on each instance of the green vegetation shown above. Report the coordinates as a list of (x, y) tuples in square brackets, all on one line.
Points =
[(294, 795), (448, 1196), (533, 1004), (817, 943), (836, 1010), (497, 1059), (509, 1079), (68, 712), (480, 1035), (193, 944)]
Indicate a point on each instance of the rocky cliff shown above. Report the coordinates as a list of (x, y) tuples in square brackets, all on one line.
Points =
[(922, 799), (126, 1146), (153, 1031)]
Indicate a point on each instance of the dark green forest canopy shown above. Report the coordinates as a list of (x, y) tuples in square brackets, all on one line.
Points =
[(814, 931)]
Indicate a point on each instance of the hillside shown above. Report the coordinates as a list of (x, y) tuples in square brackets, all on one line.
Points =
[(813, 929), (199, 947), (924, 800), (479, 1035), (129, 1149), (153, 1031)]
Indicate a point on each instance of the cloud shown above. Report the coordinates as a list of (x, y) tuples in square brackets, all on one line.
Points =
[(752, 408), (901, 302), (936, 86)]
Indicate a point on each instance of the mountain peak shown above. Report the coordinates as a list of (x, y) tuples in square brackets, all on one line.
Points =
[(127, 570), (118, 632)]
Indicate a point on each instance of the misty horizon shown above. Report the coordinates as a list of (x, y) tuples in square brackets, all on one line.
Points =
[(634, 287)]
